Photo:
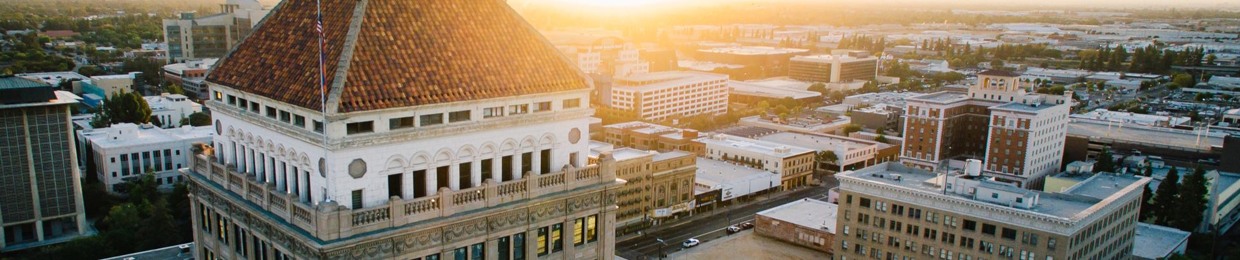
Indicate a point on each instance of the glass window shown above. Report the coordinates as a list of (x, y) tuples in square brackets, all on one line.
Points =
[(477, 251), (360, 127), (458, 116), (400, 122), (299, 121), (572, 103), (518, 246), (271, 112), (460, 253), (592, 228), (542, 106), (492, 112), (286, 117), (504, 243), (431, 119), (542, 241), (557, 238), (518, 109), (318, 126), (579, 231)]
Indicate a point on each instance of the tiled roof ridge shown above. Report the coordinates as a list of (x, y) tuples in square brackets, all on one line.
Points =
[(336, 89)]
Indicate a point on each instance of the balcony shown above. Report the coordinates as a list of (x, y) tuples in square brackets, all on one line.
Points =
[(331, 221)]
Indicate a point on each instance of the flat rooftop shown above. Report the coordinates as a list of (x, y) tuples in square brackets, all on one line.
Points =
[(182, 251), (1071, 205), (754, 50), (1154, 241), (670, 155), (942, 97), (1018, 106), (715, 172), (806, 212), (1156, 136), (753, 145), (626, 153), (821, 58), (666, 79), (134, 135), (820, 142), (750, 89)]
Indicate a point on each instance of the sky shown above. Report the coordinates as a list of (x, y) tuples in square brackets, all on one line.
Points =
[(1117, 4)]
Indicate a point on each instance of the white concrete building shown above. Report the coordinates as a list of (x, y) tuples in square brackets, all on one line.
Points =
[(793, 163), (125, 151), (169, 109), (731, 179), (1104, 115), (848, 151), (660, 95), (190, 75), (112, 84)]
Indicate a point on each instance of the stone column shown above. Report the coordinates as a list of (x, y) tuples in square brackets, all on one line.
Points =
[(406, 186), (454, 176), (497, 165), (536, 162), (432, 181), (475, 173), (516, 166)]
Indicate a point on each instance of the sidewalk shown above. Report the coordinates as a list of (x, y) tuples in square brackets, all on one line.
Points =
[(669, 224)]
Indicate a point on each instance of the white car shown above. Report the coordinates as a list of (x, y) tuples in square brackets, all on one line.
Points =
[(692, 242)]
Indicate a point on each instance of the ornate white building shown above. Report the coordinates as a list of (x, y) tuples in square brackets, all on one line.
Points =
[(452, 131)]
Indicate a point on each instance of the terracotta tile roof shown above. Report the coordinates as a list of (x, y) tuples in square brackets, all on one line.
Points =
[(404, 53)]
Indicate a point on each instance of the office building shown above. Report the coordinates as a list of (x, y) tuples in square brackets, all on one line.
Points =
[(807, 222), (123, 152), (760, 61), (673, 94), (193, 37), (891, 211), (39, 177), (1018, 135), (1155, 242), (840, 66), (647, 136), (479, 152), (794, 164), (190, 75), (1087, 138), (657, 186), (851, 153)]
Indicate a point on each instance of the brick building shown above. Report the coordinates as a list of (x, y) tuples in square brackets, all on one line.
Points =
[(806, 222)]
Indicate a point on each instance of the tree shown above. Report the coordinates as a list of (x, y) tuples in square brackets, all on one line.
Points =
[(1165, 198), (1183, 80), (197, 119), (1106, 162), (826, 157), (1147, 206), (818, 87), (850, 128), (174, 89), (880, 138), (124, 107), (1192, 203), (1210, 59)]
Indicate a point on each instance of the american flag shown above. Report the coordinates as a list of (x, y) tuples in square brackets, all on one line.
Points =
[(318, 28)]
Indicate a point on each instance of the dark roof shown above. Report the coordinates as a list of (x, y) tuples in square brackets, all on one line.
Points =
[(400, 53), (999, 73), (19, 90)]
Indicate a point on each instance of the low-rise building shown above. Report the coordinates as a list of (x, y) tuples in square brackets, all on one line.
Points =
[(1155, 242), (721, 181), (1104, 115), (850, 153), (806, 222), (750, 93), (658, 185), (802, 124), (794, 164), (108, 85), (647, 136), (169, 109), (767, 61), (190, 75), (660, 95), (124, 152)]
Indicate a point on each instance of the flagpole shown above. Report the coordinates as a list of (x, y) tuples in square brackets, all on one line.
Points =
[(322, 94)]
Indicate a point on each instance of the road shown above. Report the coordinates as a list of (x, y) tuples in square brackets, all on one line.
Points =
[(707, 226)]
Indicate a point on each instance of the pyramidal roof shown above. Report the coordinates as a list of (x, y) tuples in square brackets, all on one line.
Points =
[(383, 54)]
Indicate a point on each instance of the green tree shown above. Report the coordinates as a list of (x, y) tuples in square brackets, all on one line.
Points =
[(850, 128), (197, 119), (174, 89), (818, 87), (1147, 206), (1165, 198), (826, 157), (1210, 59), (1192, 203), (1106, 162), (125, 107), (880, 138), (1183, 80)]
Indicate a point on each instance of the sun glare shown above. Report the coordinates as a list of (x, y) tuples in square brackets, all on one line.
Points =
[(612, 3)]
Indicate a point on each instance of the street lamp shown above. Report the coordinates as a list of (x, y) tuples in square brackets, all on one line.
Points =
[(661, 244)]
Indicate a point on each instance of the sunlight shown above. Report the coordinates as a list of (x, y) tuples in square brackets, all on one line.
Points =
[(611, 3)]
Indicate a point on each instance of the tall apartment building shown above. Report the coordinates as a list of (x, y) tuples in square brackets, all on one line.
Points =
[(126, 151), (39, 178), (794, 164), (837, 67), (891, 211), (191, 37), (1019, 135), (647, 136), (475, 153), (660, 95)]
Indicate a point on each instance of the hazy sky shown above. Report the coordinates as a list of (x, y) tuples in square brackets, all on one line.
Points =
[(1109, 4)]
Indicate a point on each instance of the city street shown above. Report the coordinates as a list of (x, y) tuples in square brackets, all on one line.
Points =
[(708, 226)]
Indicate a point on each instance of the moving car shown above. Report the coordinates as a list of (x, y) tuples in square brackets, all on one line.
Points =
[(692, 242)]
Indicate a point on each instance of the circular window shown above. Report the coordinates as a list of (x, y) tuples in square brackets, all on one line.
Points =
[(574, 135), (219, 128), (323, 167)]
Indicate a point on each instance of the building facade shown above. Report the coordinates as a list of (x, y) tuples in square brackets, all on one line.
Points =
[(660, 95), (169, 109), (123, 152), (891, 211), (191, 37), (463, 169), (838, 67), (807, 222), (42, 189), (190, 75), (647, 136), (1018, 135)]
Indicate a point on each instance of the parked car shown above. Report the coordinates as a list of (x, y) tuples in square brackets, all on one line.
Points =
[(692, 242), (733, 229), (746, 225)]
